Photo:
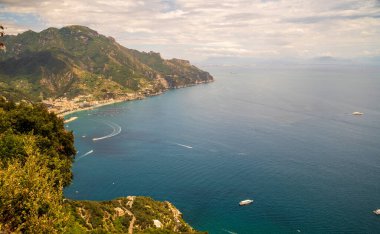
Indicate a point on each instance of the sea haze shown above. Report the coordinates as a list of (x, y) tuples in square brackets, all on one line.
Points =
[(284, 137)]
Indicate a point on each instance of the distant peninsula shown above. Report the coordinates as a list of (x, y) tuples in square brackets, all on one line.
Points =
[(75, 67)]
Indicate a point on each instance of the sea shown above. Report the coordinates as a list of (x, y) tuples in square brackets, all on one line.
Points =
[(283, 136)]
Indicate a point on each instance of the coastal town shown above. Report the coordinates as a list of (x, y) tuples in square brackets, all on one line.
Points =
[(63, 105)]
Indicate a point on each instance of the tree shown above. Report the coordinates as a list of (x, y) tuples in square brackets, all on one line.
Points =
[(2, 45), (31, 199), (50, 136)]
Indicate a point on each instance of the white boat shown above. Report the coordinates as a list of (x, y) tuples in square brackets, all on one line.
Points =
[(357, 113), (245, 202), (377, 211)]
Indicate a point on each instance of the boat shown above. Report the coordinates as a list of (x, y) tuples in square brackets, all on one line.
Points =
[(245, 202), (377, 211), (357, 113)]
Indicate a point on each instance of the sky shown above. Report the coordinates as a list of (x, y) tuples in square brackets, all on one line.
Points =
[(201, 29)]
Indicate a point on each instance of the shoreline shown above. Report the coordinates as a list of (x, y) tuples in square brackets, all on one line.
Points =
[(63, 114), (114, 101), (70, 119)]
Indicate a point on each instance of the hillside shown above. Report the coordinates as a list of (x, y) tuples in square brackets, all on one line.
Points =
[(76, 62), (126, 215)]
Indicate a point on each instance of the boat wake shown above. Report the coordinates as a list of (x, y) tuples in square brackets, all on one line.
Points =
[(186, 146), (229, 231), (116, 129), (86, 154)]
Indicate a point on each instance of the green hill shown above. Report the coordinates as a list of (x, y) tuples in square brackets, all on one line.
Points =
[(76, 60)]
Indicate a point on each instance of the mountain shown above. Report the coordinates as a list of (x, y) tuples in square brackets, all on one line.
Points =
[(77, 61)]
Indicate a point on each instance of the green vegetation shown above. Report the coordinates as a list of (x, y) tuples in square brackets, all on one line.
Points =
[(146, 209), (112, 216), (36, 154), (24, 124), (76, 60), (31, 195)]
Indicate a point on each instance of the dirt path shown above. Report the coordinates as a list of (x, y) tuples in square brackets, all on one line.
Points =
[(130, 204)]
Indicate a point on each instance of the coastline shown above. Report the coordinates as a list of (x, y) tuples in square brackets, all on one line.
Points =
[(107, 102), (70, 119), (136, 97)]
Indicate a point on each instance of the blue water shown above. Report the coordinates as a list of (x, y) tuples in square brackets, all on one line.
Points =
[(283, 137)]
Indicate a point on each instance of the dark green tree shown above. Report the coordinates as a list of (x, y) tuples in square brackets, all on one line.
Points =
[(47, 130)]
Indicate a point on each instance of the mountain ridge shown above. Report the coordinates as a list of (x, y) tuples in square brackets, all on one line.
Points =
[(76, 60)]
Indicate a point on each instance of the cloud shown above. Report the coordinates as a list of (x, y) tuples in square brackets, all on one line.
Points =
[(223, 51), (197, 29), (172, 14)]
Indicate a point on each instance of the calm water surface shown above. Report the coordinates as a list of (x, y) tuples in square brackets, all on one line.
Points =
[(283, 137)]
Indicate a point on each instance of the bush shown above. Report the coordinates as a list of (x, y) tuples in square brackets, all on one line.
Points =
[(31, 201)]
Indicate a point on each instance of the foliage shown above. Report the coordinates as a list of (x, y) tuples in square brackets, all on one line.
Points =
[(98, 217), (30, 196), (147, 210), (33, 121), (102, 217)]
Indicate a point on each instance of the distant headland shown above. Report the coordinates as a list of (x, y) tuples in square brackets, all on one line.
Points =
[(75, 67)]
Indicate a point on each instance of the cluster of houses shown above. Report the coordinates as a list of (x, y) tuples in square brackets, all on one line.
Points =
[(63, 104)]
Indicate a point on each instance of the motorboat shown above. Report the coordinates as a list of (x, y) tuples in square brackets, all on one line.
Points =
[(245, 202)]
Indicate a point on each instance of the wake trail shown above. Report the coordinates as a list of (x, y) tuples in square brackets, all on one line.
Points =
[(116, 129), (186, 146), (86, 154), (231, 232)]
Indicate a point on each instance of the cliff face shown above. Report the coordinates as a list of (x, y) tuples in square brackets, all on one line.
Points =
[(76, 60)]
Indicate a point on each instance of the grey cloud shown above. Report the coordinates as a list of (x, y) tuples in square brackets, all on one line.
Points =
[(242, 16), (169, 5), (351, 5), (319, 19), (18, 2)]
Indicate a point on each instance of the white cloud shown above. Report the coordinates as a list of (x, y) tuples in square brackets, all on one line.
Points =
[(196, 29), (171, 14)]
